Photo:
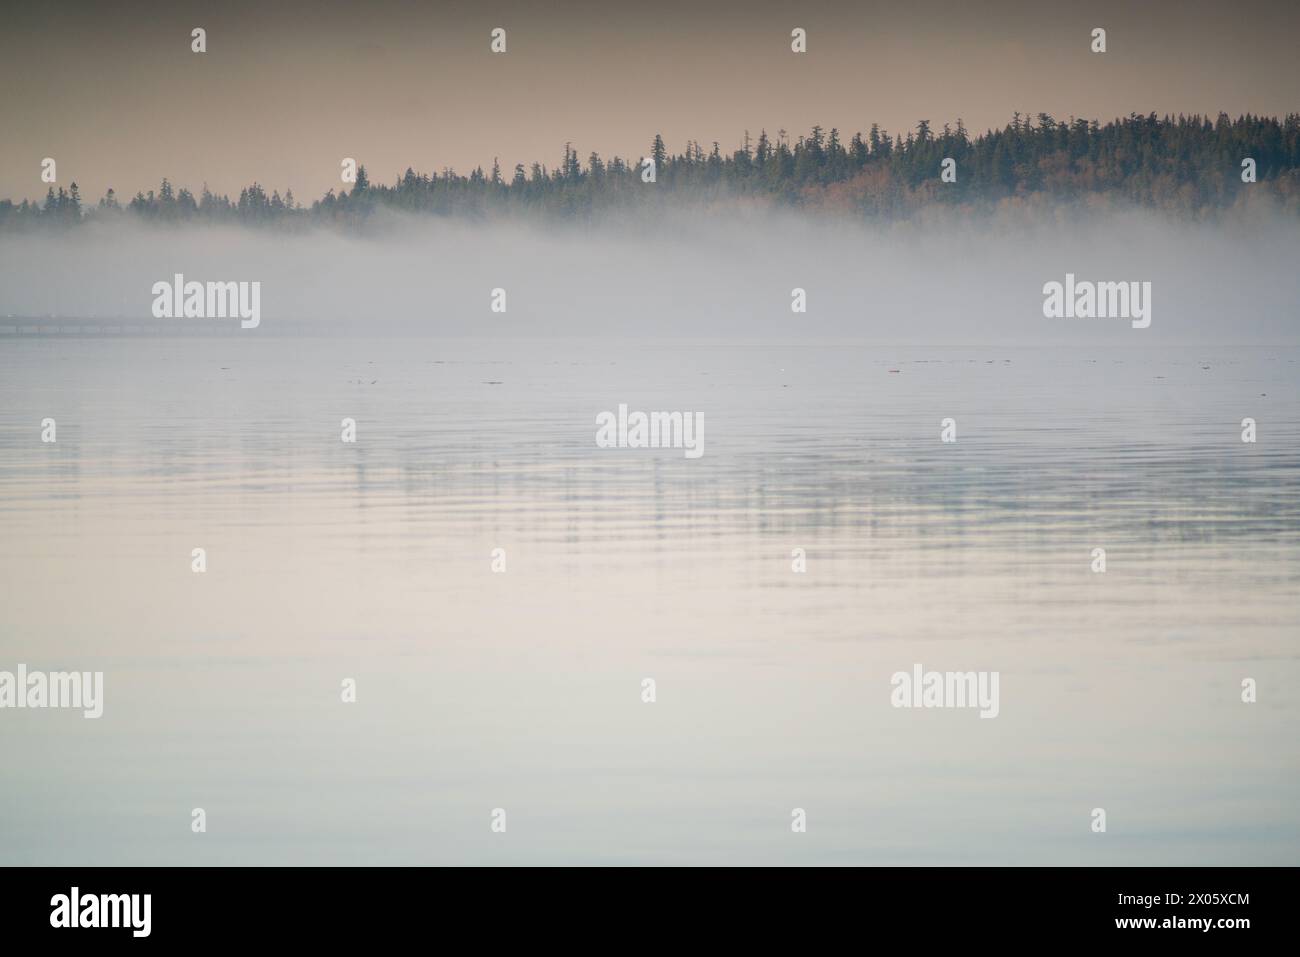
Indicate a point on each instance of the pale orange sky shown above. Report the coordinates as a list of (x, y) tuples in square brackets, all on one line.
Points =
[(287, 89)]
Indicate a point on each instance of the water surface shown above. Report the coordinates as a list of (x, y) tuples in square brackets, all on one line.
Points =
[(522, 690)]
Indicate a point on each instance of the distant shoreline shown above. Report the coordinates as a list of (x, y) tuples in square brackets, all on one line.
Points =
[(1190, 166)]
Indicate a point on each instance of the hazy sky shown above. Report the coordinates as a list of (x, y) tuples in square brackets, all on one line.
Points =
[(287, 89)]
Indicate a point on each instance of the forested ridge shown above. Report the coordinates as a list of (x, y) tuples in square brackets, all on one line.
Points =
[(1187, 164)]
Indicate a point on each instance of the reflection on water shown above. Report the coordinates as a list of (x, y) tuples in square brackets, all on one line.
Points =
[(522, 690)]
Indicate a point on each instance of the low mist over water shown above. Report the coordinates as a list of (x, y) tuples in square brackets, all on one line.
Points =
[(727, 275)]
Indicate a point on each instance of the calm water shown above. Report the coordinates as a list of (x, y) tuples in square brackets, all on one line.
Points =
[(522, 690)]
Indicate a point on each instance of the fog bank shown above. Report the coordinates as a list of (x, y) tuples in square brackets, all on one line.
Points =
[(723, 276)]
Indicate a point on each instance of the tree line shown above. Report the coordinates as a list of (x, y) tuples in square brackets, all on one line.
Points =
[(1186, 164)]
